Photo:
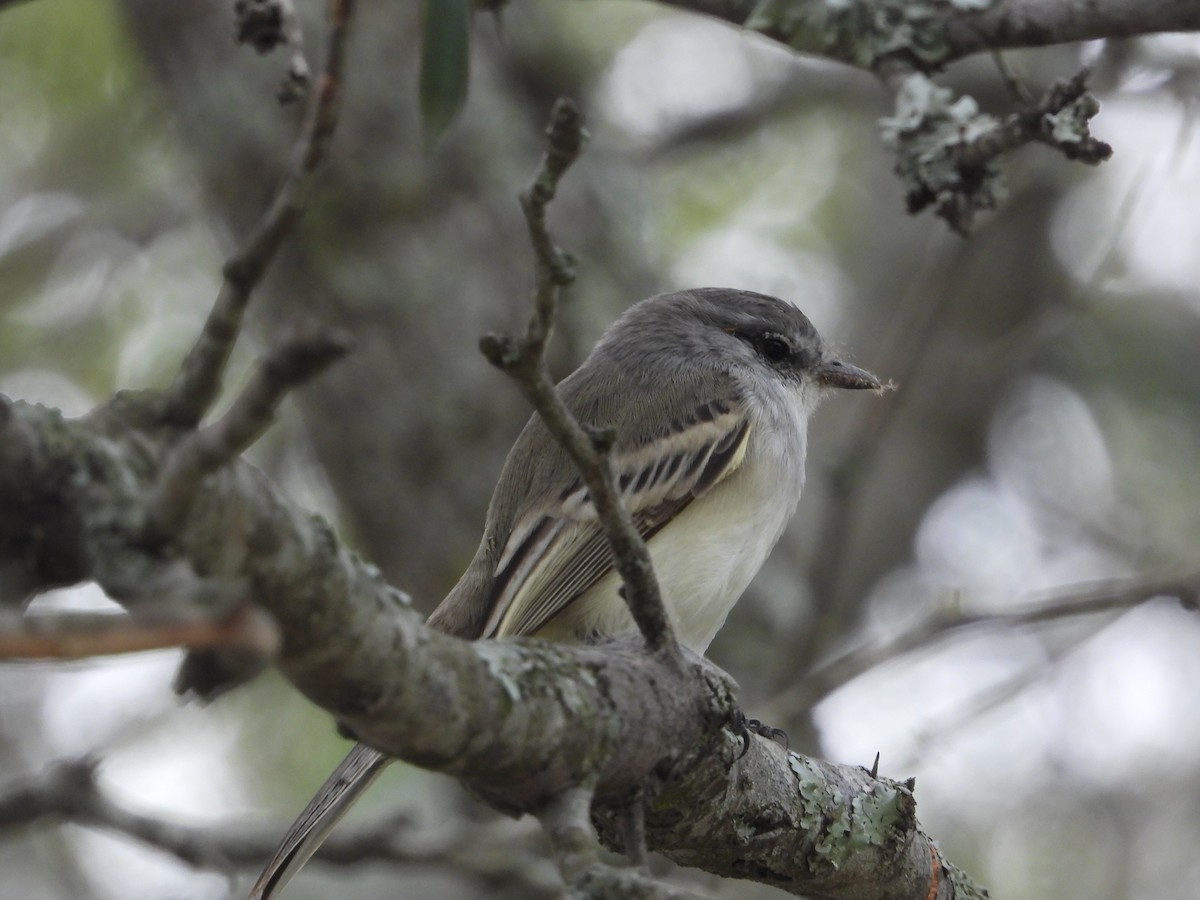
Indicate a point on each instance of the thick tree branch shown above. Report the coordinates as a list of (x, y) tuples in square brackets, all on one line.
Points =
[(934, 33), (519, 722)]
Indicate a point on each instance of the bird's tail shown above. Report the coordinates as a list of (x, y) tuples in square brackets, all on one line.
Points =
[(355, 774)]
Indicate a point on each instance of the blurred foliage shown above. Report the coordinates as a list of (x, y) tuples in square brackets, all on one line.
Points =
[(1046, 430), (445, 64)]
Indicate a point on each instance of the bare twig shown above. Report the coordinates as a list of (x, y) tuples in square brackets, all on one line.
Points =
[(1103, 597), (962, 715), (204, 451), (524, 359), (199, 380)]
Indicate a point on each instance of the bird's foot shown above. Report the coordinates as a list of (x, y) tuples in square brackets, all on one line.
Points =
[(744, 727)]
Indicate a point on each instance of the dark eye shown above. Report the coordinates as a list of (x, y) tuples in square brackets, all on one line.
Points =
[(774, 348)]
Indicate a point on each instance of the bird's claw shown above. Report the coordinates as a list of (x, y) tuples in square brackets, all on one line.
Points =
[(744, 727)]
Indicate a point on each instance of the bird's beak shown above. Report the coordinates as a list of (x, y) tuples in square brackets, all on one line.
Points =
[(835, 373)]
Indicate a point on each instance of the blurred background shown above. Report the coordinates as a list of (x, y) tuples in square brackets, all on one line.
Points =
[(1045, 434)]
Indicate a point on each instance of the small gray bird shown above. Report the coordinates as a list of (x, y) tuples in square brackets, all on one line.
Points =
[(709, 392)]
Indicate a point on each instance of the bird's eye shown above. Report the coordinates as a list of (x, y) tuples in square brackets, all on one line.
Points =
[(774, 348)]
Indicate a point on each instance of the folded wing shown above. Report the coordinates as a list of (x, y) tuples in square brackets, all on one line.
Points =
[(557, 551)]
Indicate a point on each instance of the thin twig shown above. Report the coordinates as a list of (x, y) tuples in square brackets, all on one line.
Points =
[(524, 359), (204, 451), (959, 718), (198, 382), (1102, 597)]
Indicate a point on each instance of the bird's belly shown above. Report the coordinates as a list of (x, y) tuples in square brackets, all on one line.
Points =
[(704, 559)]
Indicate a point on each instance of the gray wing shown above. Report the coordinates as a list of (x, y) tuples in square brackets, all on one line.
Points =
[(556, 549)]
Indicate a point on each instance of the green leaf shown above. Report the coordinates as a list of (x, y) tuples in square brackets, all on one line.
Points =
[(445, 63)]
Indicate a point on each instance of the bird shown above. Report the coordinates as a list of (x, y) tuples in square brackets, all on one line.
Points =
[(708, 392)]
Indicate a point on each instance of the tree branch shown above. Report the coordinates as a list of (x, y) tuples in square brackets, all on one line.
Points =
[(202, 452), (947, 150), (70, 791), (933, 33), (518, 722), (1089, 600), (924, 299)]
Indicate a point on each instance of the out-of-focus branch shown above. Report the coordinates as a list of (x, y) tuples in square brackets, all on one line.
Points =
[(69, 791), (64, 636), (566, 819), (1103, 597), (524, 359), (199, 380)]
